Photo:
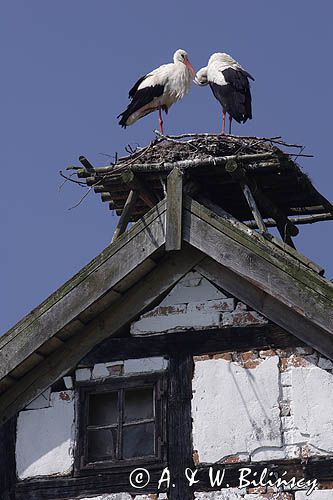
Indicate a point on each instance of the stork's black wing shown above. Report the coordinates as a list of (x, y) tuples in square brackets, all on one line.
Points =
[(235, 97), (131, 93)]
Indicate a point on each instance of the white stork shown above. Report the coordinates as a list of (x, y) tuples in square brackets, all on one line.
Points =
[(230, 85), (159, 89)]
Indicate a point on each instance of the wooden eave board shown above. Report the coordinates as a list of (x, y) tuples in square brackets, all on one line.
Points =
[(141, 296), (280, 276), (285, 184), (83, 290)]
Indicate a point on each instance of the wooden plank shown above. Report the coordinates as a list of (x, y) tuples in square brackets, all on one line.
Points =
[(194, 342), (78, 487), (287, 316), (255, 242), (141, 296), (173, 231), (125, 214), (238, 173), (18, 345), (241, 227), (7, 459), (144, 192), (313, 468), (262, 269), (180, 424), (73, 282)]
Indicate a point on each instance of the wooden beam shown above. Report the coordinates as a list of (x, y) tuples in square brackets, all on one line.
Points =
[(241, 228), (238, 174), (125, 214), (141, 296), (180, 425), (86, 163), (83, 290), (173, 231), (145, 193), (7, 459), (284, 314), (310, 219), (199, 342)]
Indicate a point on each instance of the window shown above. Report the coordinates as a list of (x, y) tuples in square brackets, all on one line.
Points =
[(121, 422)]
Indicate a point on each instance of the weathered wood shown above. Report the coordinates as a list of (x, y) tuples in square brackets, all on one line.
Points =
[(7, 460), (238, 173), (285, 315), (84, 289), (148, 196), (255, 243), (194, 342), (141, 296), (180, 424), (313, 468), (241, 227), (125, 214), (78, 487), (86, 163), (311, 219), (173, 230)]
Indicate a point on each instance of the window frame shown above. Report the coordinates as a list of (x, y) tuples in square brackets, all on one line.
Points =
[(157, 380)]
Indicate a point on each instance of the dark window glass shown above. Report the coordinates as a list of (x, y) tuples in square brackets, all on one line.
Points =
[(138, 404), (102, 444), (122, 421), (138, 440), (103, 409)]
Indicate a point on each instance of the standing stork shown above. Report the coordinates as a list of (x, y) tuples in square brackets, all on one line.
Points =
[(159, 89), (230, 85)]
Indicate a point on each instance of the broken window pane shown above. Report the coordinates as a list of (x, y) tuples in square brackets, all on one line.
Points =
[(138, 404), (102, 444), (103, 408), (138, 440)]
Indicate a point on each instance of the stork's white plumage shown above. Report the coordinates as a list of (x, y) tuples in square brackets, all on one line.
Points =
[(230, 85), (159, 89)]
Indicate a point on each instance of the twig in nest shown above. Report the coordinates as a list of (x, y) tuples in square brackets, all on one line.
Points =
[(82, 184), (177, 141), (81, 200)]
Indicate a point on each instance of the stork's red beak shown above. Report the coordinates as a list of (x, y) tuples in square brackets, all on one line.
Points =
[(190, 67)]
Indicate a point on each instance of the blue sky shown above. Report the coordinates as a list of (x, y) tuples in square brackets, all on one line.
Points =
[(66, 67)]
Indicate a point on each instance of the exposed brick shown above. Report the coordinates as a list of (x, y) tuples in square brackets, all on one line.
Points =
[(242, 318), (258, 489), (115, 370), (326, 485), (204, 357), (285, 353), (248, 355), (267, 353), (284, 364), (195, 456), (252, 363), (235, 459), (223, 355)]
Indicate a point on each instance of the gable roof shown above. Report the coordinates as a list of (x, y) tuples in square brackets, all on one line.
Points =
[(134, 274)]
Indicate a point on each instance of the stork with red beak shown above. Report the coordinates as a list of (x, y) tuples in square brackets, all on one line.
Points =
[(159, 89), (230, 85)]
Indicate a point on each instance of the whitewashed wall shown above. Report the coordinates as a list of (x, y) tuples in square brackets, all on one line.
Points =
[(276, 405)]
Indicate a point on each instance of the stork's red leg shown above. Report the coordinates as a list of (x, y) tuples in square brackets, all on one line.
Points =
[(230, 120), (223, 122), (160, 120)]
